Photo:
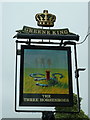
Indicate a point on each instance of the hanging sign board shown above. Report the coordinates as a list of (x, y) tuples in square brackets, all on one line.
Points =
[(45, 76)]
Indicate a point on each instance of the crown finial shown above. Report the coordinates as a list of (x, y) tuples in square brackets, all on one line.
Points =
[(45, 19), (45, 11)]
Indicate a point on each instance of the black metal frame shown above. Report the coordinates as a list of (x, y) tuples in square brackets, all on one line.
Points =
[(61, 43)]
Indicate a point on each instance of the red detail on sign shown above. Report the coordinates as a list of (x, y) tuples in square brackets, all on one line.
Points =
[(47, 75)]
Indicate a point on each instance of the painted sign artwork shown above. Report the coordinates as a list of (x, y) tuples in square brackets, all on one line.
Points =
[(45, 76)]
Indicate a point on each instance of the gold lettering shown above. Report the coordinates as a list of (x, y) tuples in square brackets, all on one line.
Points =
[(41, 99), (31, 99), (54, 32), (30, 30), (46, 96), (57, 32), (65, 32), (25, 99), (35, 31), (39, 32), (28, 99), (43, 32), (26, 29), (48, 32), (45, 99), (61, 32)]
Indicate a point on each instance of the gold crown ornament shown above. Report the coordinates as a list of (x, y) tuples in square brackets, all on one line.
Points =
[(45, 19)]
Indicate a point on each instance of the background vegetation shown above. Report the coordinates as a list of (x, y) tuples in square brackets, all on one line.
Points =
[(69, 116)]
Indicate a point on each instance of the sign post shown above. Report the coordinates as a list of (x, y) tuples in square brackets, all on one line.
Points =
[(46, 71)]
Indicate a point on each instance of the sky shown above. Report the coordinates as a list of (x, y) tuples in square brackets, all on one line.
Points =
[(17, 14)]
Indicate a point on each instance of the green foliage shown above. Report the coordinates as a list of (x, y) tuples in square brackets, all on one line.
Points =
[(80, 115)]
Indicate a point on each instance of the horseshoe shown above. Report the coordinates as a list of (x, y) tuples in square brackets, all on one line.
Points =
[(61, 76)]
